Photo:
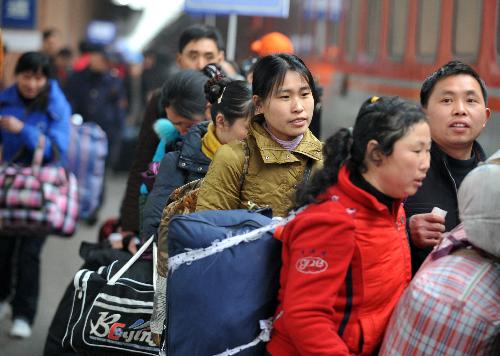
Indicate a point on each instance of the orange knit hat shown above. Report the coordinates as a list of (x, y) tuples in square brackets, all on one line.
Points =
[(273, 42)]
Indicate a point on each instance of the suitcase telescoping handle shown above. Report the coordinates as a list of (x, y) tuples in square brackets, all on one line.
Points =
[(130, 262)]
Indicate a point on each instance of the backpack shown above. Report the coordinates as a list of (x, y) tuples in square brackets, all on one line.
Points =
[(222, 283)]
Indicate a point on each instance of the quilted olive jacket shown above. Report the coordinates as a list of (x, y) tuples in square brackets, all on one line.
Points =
[(273, 173)]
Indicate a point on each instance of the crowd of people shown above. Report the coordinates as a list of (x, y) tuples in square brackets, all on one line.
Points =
[(368, 264)]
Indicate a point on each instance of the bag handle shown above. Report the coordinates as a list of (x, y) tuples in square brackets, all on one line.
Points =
[(37, 161), (130, 262)]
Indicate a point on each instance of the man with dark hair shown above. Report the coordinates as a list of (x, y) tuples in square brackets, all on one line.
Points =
[(63, 61), (50, 41), (199, 45), (454, 99)]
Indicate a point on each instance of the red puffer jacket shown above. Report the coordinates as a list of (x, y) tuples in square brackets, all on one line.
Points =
[(346, 262)]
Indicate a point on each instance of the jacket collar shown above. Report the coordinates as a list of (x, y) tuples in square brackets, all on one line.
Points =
[(191, 157), (272, 152), (438, 153), (359, 195)]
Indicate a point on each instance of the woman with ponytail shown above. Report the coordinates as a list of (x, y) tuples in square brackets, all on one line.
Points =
[(346, 259)]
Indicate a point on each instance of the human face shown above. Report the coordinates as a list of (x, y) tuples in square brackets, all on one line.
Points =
[(182, 123), (51, 44), (226, 133), (289, 109), (197, 54), (30, 84), (98, 62), (457, 114), (400, 174)]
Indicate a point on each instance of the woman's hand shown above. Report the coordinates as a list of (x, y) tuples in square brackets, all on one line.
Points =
[(11, 124)]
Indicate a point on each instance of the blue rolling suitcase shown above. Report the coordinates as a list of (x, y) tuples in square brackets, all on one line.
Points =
[(86, 159)]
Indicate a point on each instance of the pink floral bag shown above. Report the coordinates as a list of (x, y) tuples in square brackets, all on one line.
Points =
[(37, 200)]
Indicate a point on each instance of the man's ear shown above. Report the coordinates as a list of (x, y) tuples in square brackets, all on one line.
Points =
[(178, 57), (488, 116)]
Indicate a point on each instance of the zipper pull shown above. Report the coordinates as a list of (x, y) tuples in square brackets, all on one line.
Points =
[(80, 293)]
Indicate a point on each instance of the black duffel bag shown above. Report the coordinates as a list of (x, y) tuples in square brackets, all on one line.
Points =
[(110, 310)]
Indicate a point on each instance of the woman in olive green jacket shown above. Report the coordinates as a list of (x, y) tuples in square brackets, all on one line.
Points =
[(265, 169)]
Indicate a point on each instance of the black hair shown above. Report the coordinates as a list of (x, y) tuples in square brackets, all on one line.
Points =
[(65, 52), (150, 52), (36, 62), (184, 92), (447, 70), (232, 98), (270, 71), (49, 33), (197, 32), (385, 120), (84, 46), (248, 65)]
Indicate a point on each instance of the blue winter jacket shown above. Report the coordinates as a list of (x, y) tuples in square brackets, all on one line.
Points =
[(176, 169), (54, 123)]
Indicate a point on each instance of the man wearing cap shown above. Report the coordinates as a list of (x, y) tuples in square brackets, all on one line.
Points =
[(452, 306), (273, 42)]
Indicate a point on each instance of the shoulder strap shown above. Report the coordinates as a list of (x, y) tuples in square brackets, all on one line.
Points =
[(244, 171), (130, 262)]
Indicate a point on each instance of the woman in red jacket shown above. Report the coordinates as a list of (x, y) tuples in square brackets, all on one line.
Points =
[(346, 259)]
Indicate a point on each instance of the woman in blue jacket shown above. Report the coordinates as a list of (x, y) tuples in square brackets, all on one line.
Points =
[(32, 107)]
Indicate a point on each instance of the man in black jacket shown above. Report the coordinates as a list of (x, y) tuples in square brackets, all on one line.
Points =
[(454, 98)]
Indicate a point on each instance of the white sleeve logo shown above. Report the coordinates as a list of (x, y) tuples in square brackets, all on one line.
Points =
[(311, 265)]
